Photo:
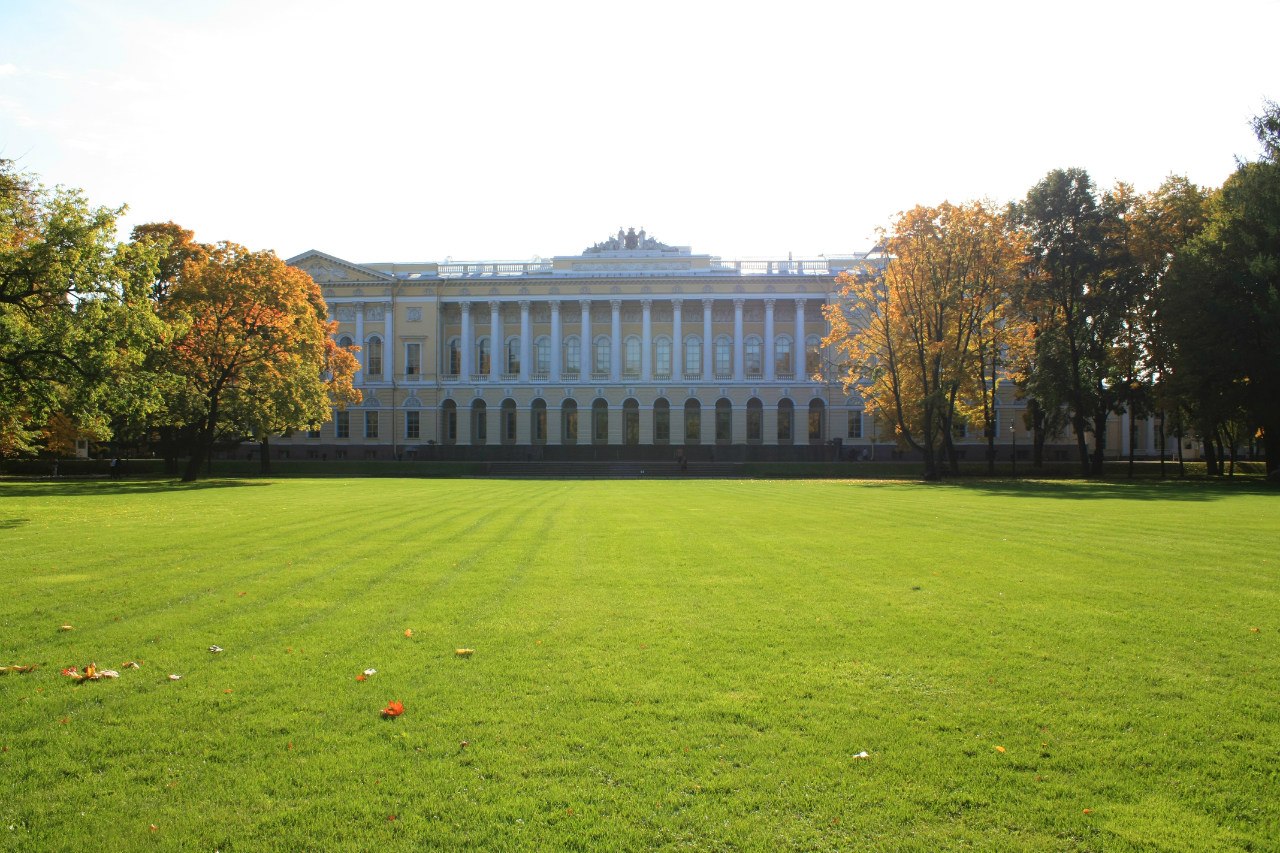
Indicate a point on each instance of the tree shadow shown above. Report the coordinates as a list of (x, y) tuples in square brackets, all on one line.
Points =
[(97, 488), (1132, 490), (11, 523)]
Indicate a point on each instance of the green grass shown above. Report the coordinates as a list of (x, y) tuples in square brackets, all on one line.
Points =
[(657, 665)]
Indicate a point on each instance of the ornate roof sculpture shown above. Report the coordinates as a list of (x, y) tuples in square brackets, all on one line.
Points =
[(629, 241)]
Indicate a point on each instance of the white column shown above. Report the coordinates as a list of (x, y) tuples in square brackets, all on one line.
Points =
[(615, 346), (464, 363), (707, 353), (557, 347), (495, 341), (525, 348), (739, 369), (768, 340), (388, 347), (797, 349), (646, 341), (585, 354), (360, 356), (677, 343)]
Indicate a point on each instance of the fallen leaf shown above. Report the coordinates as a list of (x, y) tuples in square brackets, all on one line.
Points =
[(109, 673), (66, 628), (393, 709), (408, 632), (464, 653), (155, 828), (174, 677), (362, 677), (371, 671), (133, 664), (241, 594), (228, 690), (215, 649), (17, 667), (999, 749), (862, 754), (1254, 630), (1088, 811)]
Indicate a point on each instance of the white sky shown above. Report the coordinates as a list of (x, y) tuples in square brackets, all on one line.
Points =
[(492, 130)]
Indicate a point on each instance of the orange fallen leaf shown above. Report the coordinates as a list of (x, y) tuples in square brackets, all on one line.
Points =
[(408, 632), (362, 677), (393, 709), (1088, 811), (999, 749), (228, 690), (1254, 630), (241, 594), (154, 828)]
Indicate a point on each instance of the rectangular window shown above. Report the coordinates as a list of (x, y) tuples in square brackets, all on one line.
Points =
[(855, 424), (313, 432), (342, 425), (370, 424), (412, 359), (572, 356), (412, 424)]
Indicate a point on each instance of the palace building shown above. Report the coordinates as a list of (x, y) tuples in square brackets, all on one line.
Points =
[(632, 349)]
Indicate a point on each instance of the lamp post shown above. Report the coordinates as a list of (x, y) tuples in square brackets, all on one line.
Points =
[(1013, 437)]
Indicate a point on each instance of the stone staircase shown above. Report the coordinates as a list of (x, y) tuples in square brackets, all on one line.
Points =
[(611, 470)]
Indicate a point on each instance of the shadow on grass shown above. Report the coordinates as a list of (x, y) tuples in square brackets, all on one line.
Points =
[(95, 488), (1133, 490)]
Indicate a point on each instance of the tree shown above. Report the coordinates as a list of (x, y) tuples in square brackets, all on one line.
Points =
[(1079, 289), (75, 323), (252, 349), (1222, 303), (920, 338)]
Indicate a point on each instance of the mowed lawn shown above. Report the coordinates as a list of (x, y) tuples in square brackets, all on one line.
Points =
[(1055, 666)]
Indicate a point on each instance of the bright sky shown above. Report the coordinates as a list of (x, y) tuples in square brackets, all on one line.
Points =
[(405, 131)]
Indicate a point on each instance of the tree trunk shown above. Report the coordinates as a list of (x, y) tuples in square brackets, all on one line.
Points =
[(1099, 443), (196, 462), (1133, 440), (1210, 456), (1162, 443), (1078, 424), (264, 455)]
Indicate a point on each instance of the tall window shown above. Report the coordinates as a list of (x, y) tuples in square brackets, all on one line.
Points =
[(412, 424), (816, 411), (661, 421), (508, 421), (602, 355), (482, 355), (723, 356), (479, 422), (812, 355), (572, 355), (569, 428), (692, 422), (599, 422), (455, 357), (370, 424), (631, 356), (373, 357), (449, 429), (513, 355), (538, 421), (755, 421), (412, 359), (542, 355), (692, 355), (782, 354), (755, 362), (342, 424), (786, 418), (662, 353), (855, 424), (724, 422)]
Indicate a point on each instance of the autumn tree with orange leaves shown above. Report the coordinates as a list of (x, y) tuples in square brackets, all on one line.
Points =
[(252, 347), (923, 340)]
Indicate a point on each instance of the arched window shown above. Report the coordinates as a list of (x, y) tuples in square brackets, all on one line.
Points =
[(569, 422), (508, 421), (782, 355), (600, 422), (692, 421), (538, 421), (755, 421), (631, 356), (345, 342), (724, 421), (786, 419), (455, 356), (724, 357), (661, 421), (373, 356), (662, 358), (816, 421), (572, 355), (479, 423), (511, 357), (693, 355), (812, 355), (449, 422), (630, 422), (483, 351), (602, 350), (754, 356), (542, 355)]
